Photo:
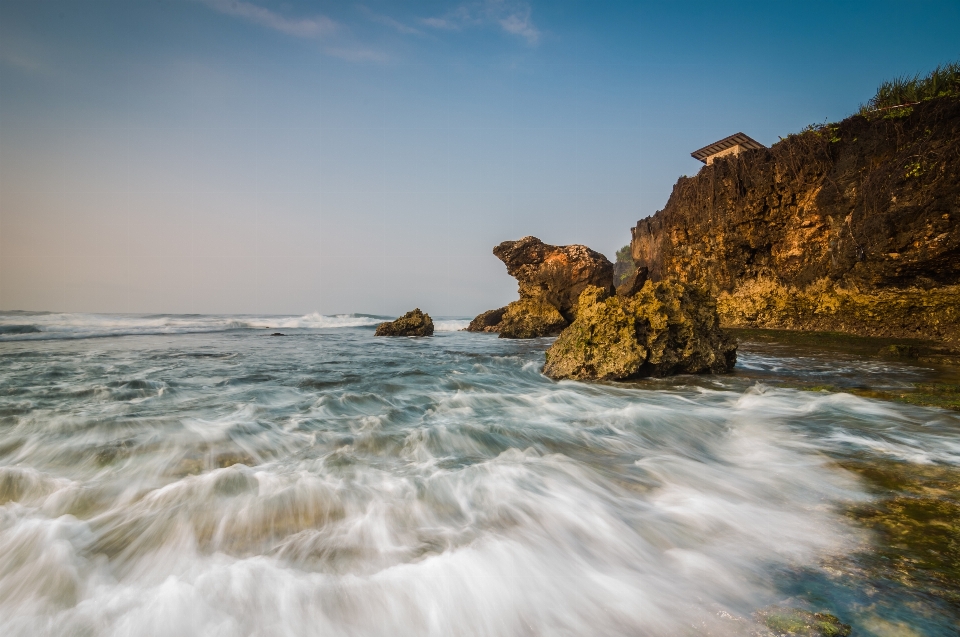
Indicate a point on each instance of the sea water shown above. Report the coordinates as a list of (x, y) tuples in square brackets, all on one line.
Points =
[(195, 475)]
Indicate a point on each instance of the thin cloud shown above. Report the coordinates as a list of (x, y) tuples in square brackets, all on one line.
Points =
[(440, 23), (519, 23), (513, 17), (23, 63), (387, 21), (357, 54), (298, 27)]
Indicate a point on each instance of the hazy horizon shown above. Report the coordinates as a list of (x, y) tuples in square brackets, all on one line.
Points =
[(233, 156)]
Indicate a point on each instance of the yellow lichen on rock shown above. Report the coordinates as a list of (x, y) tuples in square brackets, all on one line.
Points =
[(825, 305), (666, 328)]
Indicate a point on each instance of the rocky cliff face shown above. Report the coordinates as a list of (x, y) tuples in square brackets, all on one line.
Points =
[(850, 227)]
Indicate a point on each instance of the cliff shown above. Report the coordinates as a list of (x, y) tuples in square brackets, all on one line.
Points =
[(850, 227)]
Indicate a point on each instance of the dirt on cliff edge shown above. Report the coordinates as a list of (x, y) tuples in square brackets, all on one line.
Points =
[(850, 226)]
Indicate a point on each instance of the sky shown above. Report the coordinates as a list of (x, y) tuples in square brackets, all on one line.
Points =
[(251, 156)]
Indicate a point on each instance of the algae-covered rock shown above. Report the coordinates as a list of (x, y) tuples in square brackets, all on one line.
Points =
[(531, 318), (794, 622), (550, 279), (827, 305), (414, 323), (665, 328)]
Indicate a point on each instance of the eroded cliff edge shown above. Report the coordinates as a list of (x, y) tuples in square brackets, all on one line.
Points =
[(847, 227)]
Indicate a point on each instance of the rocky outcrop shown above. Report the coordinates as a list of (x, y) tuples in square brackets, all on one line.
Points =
[(414, 323), (666, 328), (550, 279), (850, 227), (488, 321)]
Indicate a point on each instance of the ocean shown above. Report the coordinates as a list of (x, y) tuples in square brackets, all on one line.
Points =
[(174, 475)]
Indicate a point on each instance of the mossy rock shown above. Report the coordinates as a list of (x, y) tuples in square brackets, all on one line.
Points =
[(531, 318), (414, 323), (800, 623), (665, 328)]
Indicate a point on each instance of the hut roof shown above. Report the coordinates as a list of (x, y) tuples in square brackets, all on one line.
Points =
[(727, 142)]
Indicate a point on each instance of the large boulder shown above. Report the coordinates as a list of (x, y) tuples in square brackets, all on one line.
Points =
[(550, 280), (665, 328), (414, 323)]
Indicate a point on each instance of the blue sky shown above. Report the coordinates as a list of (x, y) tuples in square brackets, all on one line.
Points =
[(292, 157)]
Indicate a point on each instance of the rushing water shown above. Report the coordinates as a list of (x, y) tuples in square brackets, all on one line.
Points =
[(193, 475)]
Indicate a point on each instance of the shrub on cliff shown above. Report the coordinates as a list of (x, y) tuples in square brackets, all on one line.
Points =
[(943, 81), (666, 328)]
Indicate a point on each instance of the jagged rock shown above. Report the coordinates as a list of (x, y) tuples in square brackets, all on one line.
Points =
[(414, 323), (550, 279), (666, 328), (851, 227), (488, 321)]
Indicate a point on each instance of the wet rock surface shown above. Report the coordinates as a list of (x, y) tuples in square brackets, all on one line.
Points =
[(827, 229), (664, 329), (550, 280), (414, 323), (794, 622)]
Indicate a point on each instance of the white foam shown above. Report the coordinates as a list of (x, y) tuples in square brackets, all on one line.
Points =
[(450, 325)]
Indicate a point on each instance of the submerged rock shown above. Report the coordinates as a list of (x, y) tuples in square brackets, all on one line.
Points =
[(550, 280), (666, 328), (800, 623), (414, 323)]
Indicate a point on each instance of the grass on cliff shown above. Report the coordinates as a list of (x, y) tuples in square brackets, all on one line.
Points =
[(943, 81)]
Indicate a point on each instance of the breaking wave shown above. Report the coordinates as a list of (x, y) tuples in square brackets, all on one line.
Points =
[(43, 326)]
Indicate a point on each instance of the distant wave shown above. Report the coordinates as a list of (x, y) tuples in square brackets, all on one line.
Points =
[(450, 325), (18, 326)]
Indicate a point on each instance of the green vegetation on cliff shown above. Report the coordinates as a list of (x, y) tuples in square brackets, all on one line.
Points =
[(943, 81), (623, 267)]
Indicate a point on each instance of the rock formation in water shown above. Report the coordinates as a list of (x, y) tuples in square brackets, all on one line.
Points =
[(850, 227), (488, 321), (550, 279), (665, 328), (414, 323)]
